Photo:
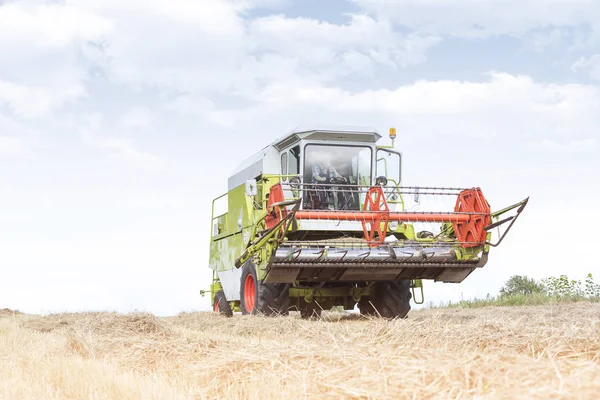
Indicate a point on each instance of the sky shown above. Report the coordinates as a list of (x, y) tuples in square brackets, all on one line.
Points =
[(120, 121)]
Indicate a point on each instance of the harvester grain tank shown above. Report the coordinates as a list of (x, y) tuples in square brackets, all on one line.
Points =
[(320, 219)]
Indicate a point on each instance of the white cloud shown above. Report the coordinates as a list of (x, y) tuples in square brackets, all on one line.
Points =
[(475, 18), (589, 65), (40, 43), (207, 47), (539, 41), (173, 45), (42, 25), (115, 141), (504, 106), (245, 5), (586, 38), (302, 49), (33, 101), (339, 49)]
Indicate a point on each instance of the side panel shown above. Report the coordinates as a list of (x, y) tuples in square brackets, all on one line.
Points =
[(223, 252), (230, 281), (240, 210), (265, 162), (227, 247)]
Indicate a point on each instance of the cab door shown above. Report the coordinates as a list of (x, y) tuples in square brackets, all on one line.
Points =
[(389, 164), (290, 171)]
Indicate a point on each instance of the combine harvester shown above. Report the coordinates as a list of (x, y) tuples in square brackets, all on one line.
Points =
[(319, 219)]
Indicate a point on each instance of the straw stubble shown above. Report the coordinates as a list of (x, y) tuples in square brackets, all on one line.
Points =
[(497, 352)]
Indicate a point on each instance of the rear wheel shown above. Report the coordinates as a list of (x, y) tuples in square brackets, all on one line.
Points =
[(388, 300), (221, 305), (257, 297)]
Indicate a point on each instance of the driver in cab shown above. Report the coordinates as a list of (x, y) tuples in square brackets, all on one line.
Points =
[(323, 172)]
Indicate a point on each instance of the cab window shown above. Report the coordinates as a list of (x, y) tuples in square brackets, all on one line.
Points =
[(388, 165), (294, 161)]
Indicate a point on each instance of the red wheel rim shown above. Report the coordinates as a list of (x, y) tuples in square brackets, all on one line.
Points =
[(216, 308), (249, 293)]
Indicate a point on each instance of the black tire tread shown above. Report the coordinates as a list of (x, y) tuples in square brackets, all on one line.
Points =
[(271, 298), (224, 306), (389, 300)]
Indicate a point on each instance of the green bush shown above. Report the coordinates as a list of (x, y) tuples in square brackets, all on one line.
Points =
[(520, 290), (592, 290), (522, 285), (562, 287)]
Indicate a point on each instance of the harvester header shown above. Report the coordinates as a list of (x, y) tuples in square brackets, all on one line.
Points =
[(320, 218)]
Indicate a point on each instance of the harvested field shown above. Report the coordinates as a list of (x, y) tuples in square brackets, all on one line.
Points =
[(543, 352)]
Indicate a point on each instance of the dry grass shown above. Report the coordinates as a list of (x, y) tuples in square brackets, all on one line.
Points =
[(541, 352)]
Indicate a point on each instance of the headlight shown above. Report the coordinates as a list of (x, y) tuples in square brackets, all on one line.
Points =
[(393, 225), (381, 181)]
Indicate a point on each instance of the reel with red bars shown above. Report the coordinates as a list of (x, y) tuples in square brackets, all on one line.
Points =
[(470, 217)]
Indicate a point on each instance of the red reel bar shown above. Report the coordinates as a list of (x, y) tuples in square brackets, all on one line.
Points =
[(390, 216)]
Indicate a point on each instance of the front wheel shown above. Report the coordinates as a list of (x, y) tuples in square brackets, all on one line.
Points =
[(257, 297), (388, 300)]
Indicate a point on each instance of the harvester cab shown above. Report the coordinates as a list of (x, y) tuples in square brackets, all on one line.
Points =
[(320, 219)]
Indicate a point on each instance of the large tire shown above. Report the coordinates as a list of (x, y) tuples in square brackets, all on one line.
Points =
[(257, 297), (388, 300), (221, 305)]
